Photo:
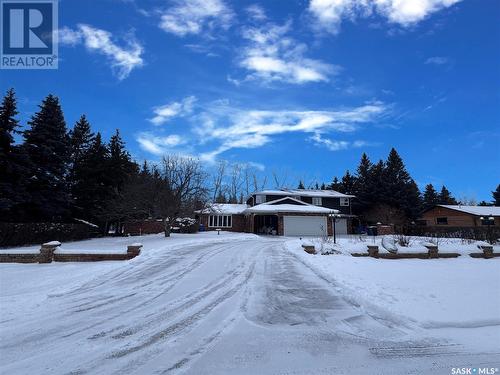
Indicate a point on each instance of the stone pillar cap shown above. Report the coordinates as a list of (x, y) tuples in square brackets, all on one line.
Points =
[(52, 243)]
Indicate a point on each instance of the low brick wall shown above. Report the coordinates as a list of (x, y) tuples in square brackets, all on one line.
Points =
[(19, 258), (47, 254), (432, 253), (90, 257)]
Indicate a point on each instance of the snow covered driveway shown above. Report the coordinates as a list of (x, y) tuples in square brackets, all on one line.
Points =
[(205, 304)]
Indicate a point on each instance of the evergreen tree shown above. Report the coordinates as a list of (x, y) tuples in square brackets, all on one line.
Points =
[(431, 197), (11, 186), (47, 147), (301, 185), (364, 183), (376, 188), (348, 183), (335, 185), (8, 122), (401, 191), (323, 186), (92, 187), (81, 140), (496, 196), (445, 197), (120, 165)]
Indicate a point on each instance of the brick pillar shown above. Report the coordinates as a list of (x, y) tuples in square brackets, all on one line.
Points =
[(487, 250), (134, 250), (373, 251), (432, 251), (47, 251)]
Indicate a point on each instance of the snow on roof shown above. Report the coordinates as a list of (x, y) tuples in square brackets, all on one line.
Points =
[(305, 193), (224, 208), (475, 210), (274, 208)]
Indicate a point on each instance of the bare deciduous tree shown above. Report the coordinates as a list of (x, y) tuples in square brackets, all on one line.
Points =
[(179, 189)]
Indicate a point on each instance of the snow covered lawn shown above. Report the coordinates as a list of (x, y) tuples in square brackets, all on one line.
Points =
[(243, 304), (435, 294)]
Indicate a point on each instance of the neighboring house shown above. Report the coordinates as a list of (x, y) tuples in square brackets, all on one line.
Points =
[(462, 216), (283, 212)]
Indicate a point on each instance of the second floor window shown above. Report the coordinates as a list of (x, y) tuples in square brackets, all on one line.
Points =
[(260, 199), (317, 201), (344, 201)]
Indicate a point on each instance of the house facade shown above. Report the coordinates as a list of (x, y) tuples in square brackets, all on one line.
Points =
[(459, 216), (289, 212)]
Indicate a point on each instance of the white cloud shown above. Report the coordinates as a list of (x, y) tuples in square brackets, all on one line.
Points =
[(165, 112), (159, 145), (256, 12), (123, 59), (334, 145), (273, 56), (196, 16), (219, 126), (330, 13), (256, 128), (437, 60)]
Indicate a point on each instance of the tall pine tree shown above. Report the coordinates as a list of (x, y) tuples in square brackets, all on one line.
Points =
[(364, 183), (48, 149), (348, 183), (92, 187), (445, 196), (120, 165), (431, 197), (496, 196), (12, 191), (401, 191)]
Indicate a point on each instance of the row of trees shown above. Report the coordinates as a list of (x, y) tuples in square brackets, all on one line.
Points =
[(56, 175), (386, 191)]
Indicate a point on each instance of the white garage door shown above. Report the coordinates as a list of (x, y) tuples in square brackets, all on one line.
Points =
[(341, 226), (304, 225)]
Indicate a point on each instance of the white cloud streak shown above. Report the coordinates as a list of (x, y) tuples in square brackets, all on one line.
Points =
[(192, 17), (329, 14), (273, 56), (166, 112), (159, 145), (437, 60), (256, 128), (123, 59)]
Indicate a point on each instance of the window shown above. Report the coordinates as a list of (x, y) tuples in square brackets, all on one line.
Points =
[(344, 201), (317, 201), (442, 220), (220, 221), (260, 199), (487, 221)]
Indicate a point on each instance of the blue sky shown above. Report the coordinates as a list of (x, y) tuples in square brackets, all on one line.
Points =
[(297, 87)]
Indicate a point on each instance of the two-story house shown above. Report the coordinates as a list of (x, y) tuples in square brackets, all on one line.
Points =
[(289, 212)]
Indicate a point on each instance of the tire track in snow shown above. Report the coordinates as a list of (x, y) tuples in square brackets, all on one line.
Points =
[(65, 316), (154, 341)]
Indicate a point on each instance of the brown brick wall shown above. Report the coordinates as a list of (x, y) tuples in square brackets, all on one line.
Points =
[(143, 227), (19, 258), (455, 218)]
